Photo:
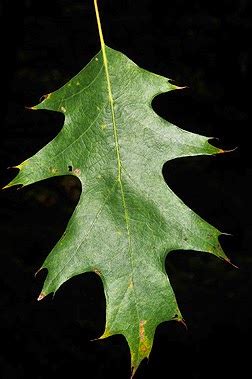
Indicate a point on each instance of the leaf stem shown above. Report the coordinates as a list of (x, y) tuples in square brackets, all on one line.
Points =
[(99, 26)]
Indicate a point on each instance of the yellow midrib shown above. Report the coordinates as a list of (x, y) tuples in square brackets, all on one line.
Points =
[(117, 147), (111, 102)]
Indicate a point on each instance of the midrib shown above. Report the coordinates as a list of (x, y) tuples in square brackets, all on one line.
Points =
[(117, 148)]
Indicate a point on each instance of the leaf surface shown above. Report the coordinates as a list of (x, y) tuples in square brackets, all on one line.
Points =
[(127, 219)]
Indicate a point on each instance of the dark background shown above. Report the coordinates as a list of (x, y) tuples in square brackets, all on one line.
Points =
[(201, 44)]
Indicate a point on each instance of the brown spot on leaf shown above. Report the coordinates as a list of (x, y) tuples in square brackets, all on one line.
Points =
[(142, 330), (77, 171), (53, 170), (143, 348), (44, 97), (144, 343), (131, 284), (97, 272)]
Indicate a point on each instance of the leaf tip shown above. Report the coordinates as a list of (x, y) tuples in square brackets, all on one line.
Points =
[(41, 101), (106, 334), (178, 317), (175, 87), (135, 366), (6, 186), (12, 184), (227, 260), (182, 321), (133, 371), (41, 296), (21, 165), (223, 151), (179, 88), (36, 273), (15, 182), (31, 108)]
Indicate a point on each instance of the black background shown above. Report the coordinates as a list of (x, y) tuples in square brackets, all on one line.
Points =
[(201, 44)]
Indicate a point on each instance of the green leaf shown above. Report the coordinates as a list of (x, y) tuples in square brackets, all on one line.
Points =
[(127, 219)]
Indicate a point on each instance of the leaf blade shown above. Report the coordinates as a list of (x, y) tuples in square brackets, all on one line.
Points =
[(127, 219)]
